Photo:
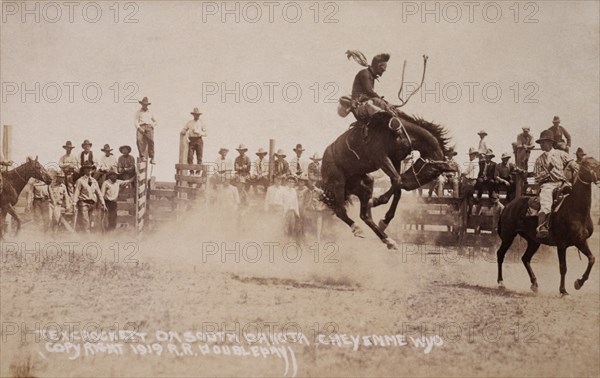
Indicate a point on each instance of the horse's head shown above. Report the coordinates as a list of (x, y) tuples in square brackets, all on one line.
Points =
[(423, 172), (37, 170), (589, 171)]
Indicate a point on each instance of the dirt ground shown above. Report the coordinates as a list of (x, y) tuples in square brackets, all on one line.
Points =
[(189, 301)]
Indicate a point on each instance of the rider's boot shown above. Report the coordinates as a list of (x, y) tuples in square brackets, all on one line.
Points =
[(542, 228)]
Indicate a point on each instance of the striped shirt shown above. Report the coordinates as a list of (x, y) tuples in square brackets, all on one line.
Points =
[(550, 166)]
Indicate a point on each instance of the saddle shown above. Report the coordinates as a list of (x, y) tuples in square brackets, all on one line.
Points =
[(364, 111), (558, 196)]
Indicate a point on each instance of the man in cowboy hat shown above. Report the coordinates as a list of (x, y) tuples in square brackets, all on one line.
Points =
[(291, 211), (280, 167), (59, 199), (110, 193), (482, 145), (559, 134), (505, 176), (523, 148), (86, 156), (486, 179), (549, 173), (259, 174), (69, 164), (125, 164), (314, 169), (144, 123), (195, 130), (298, 165), (223, 168), (87, 195), (106, 163), (470, 178), (572, 173), (242, 167)]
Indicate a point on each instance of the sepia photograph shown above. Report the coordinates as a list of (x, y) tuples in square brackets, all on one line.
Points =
[(299, 188)]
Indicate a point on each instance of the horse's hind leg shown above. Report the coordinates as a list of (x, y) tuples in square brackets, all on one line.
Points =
[(339, 205), (11, 210), (364, 190), (532, 247), (585, 249)]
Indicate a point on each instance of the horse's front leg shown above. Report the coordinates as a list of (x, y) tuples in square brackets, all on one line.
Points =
[(389, 215), (392, 172), (585, 249), (562, 262)]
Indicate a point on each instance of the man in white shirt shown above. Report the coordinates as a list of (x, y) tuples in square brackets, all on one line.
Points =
[(69, 164), (107, 163), (470, 177), (195, 130), (298, 165), (87, 194), (259, 173), (291, 212), (110, 193), (222, 168), (273, 199), (144, 123)]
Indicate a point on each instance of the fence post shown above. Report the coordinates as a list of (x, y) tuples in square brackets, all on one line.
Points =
[(6, 145), (183, 149)]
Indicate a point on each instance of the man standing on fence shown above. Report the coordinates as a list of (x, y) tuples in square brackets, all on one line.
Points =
[(195, 130), (144, 123)]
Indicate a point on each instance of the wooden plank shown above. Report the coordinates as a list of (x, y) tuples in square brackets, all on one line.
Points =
[(141, 189), (192, 179), (141, 213), (140, 225), (159, 203), (162, 193), (142, 202), (192, 167)]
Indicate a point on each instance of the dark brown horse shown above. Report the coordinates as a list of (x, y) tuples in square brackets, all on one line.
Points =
[(571, 226), (348, 161), (13, 183)]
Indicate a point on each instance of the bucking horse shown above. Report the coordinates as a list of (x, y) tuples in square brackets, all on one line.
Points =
[(348, 161), (13, 182)]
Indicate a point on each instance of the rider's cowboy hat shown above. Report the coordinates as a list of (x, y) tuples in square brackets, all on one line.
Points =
[(68, 145), (546, 135), (489, 152), (473, 151), (106, 148), (195, 111), (505, 155), (316, 157), (86, 142), (261, 151), (241, 148), (144, 101), (298, 147), (223, 149), (280, 152), (482, 132), (580, 150), (125, 148), (451, 152), (556, 119)]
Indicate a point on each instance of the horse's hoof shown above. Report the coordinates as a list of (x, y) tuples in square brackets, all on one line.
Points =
[(357, 232), (563, 293), (501, 285), (534, 288), (578, 284), (391, 244), (382, 225)]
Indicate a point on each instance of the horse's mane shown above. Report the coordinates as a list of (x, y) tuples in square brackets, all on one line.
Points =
[(438, 131)]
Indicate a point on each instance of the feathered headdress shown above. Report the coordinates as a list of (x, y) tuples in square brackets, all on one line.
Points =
[(362, 60)]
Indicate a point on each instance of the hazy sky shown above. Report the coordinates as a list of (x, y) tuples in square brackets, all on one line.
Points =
[(182, 55)]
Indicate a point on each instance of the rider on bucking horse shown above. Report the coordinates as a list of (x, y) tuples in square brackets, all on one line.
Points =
[(364, 101)]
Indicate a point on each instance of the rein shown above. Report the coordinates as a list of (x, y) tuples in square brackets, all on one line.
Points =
[(21, 177), (404, 102)]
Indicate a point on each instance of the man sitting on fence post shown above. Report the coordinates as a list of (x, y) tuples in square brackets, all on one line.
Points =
[(195, 130), (106, 163), (87, 195), (69, 165), (259, 175)]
